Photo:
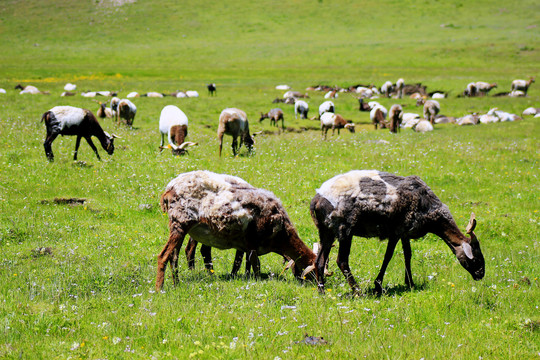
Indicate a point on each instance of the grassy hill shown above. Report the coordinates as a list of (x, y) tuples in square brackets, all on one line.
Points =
[(78, 280)]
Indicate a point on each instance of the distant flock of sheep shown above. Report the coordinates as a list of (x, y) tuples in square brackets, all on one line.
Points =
[(225, 212)]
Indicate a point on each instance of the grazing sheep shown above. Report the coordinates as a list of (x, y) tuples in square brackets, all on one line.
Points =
[(334, 121), (124, 110), (423, 126), (274, 115), (400, 85), (371, 203), (301, 107), (69, 120), (234, 122), (522, 85), (326, 106), (212, 90), (333, 94), (471, 90), (173, 123), (395, 117), (431, 109), (387, 88), (483, 88), (377, 116), (226, 212)]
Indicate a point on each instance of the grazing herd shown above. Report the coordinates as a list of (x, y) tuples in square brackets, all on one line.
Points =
[(226, 212)]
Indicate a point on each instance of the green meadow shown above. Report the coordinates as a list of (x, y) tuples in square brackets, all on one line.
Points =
[(78, 279)]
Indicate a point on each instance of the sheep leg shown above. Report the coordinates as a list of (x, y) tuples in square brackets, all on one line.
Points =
[(176, 237), (174, 265), (47, 144), (343, 262), (234, 146), (220, 144), (406, 244), (387, 257), (77, 144), (326, 239), (162, 142), (237, 262), (253, 259), (191, 247), (206, 252), (89, 141)]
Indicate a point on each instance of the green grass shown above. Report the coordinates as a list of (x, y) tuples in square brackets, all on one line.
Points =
[(93, 296)]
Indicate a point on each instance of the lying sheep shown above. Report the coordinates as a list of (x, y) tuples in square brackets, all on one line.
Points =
[(225, 212), (372, 203)]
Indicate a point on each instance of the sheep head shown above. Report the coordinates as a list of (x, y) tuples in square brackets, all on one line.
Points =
[(350, 127), (469, 253)]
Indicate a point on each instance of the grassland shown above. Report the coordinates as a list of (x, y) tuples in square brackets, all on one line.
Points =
[(93, 297)]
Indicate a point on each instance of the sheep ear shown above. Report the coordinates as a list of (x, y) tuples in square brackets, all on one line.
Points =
[(472, 224), (467, 250)]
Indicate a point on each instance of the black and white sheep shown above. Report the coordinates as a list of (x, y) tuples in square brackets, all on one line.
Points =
[(226, 212), (69, 120), (301, 107), (124, 109), (371, 203), (173, 123), (234, 122), (274, 115), (334, 121), (30, 89), (377, 116), (522, 85)]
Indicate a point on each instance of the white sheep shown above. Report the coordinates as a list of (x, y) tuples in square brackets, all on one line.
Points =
[(423, 126), (132, 94), (173, 123), (522, 85), (70, 87), (192, 94), (431, 109), (327, 106), (400, 84)]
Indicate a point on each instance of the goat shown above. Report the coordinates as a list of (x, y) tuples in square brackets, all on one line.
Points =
[(274, 115), (211, 89), (371, 203), (334, 121), (124, 110), (396, 117), (522, 85), (326, 106), (69, 120), (173, 123), (431, 109), (377, 116), (483, 88), (226, 212), (234, 122), (301, 107)]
